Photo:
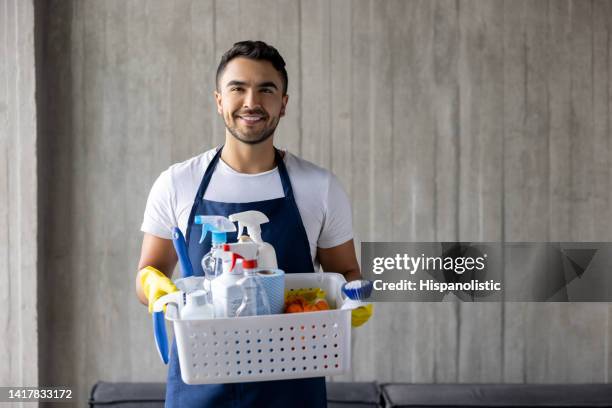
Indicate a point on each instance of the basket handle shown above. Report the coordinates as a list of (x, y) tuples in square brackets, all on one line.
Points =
[(159, 323)]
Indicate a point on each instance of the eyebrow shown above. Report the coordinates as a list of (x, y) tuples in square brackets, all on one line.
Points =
[(268, 84)]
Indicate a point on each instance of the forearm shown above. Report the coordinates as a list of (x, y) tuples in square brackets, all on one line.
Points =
[(341, 259), (352, 274)]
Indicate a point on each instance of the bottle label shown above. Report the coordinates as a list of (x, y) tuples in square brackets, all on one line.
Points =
[(232, 306)]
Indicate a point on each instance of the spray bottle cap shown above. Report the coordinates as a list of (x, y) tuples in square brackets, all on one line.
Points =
[(249, 264), (227, 256), (217, 224), (252, 220), (198, 297), (246, 250)]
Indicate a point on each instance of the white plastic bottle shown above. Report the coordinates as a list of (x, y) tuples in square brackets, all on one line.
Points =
[(226, 294), (197, 306), (252, 220), (255, 300)]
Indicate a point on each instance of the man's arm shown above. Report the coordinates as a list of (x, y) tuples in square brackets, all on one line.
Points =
[(158, 253), (341, 259)]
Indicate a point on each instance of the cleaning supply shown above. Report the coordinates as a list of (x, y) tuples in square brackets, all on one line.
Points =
[(360, 289), (273, 281), (187, 282), (254, 299), (218, 226), (252, 220), (197, 306), (306, 300), (181, 251), (155, 285), (243, 250), (174, 301), (190, 284), (357, 291), (226, 294)]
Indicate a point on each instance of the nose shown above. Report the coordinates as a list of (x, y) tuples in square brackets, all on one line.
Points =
[(251, 100)]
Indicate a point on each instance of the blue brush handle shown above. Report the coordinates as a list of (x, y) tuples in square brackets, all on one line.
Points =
[(161, 338), (181, 250)]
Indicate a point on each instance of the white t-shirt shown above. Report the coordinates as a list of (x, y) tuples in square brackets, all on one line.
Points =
[(323, 204)]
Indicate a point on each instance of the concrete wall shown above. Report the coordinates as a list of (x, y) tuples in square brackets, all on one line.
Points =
[(445, 120), (18, 196)]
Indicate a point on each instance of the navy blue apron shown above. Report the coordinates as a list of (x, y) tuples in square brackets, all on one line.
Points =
[(287, 234)]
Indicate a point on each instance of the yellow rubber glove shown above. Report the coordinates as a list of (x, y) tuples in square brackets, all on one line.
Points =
[(155, 285), (361, 315)]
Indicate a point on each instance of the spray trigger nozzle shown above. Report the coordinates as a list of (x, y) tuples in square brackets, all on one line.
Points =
[(218, 225), (252, 220)]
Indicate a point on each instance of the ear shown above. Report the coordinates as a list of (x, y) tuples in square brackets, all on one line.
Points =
[(284, 106), (218, 101)]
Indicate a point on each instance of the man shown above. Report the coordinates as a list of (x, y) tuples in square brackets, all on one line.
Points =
[(310, 214)]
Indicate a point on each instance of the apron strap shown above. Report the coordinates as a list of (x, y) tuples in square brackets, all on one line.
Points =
[(201, 190), (284, 175)]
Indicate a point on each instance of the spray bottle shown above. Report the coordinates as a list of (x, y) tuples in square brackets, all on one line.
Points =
[(252, 220), (219, 226)]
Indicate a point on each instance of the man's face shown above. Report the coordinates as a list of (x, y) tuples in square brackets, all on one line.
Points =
[(250, 99)]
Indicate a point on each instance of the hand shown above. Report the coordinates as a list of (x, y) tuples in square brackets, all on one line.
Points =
[(155, 285), (361, 314)]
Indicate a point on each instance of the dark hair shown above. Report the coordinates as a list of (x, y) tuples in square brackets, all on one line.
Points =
[(257, 50)]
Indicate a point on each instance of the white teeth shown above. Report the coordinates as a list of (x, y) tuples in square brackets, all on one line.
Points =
[(251, 118)]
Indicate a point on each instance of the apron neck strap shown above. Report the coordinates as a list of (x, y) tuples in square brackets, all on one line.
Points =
[(282, 171)]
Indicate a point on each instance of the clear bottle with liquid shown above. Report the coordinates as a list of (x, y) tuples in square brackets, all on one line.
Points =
[(211, 265), (255, 300), (218, 226)]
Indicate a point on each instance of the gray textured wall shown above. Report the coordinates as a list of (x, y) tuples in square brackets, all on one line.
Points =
[(445, 120), (18, 196)]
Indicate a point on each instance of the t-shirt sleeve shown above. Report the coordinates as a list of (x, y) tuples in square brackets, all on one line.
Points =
[(338, 223), (159, 216)]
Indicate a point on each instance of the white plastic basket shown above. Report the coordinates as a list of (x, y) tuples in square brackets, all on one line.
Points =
[(272, 347)]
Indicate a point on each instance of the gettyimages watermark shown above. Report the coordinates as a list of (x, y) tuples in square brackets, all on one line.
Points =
[(488, 272)]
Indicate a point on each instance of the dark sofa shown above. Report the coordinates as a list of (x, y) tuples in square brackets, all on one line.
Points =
[(151, 395), (366, 395)]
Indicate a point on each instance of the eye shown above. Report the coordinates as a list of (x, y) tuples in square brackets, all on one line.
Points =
[(236, 89), (267, 90)]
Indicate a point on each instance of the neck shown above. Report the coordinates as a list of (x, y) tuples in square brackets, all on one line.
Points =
[(246, 158)]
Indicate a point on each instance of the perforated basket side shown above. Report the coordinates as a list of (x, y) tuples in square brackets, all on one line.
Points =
[(264, 348)]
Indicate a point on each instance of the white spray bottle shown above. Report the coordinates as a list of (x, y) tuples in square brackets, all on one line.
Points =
[(252, 220)]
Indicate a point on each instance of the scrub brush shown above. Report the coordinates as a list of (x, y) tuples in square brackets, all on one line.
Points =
[(356, 292)]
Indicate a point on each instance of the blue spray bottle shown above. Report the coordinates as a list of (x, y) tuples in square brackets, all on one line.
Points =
[(219, 226)]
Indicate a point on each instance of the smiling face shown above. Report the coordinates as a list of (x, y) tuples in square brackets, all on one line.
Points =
[(250, 99)]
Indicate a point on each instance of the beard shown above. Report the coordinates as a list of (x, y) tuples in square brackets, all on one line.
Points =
[(253, 138)]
